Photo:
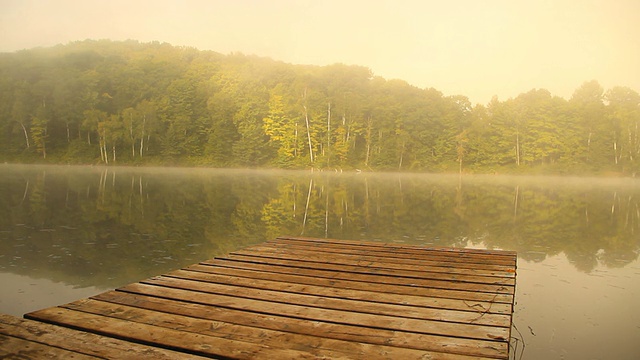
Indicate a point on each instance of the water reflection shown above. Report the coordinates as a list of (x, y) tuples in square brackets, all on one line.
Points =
[(69, 232), (65, 223), (566, 314)]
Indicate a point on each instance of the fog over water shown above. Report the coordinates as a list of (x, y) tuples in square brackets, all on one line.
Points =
[(71, 232)]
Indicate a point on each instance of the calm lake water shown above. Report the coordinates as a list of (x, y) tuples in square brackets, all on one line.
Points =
[(71, 232)]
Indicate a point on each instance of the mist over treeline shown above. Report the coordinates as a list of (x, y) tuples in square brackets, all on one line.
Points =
[(119, 103)]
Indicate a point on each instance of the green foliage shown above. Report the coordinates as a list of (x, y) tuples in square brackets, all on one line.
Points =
[(133, 103)]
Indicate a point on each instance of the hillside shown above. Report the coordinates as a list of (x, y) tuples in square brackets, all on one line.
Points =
[(124, 103)]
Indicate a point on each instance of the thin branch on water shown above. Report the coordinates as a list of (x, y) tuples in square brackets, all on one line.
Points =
[(524, 345)]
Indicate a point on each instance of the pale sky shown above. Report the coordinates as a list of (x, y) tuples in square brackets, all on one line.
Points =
[(476, 48)]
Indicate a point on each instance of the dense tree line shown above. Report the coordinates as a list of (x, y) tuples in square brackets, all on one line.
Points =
[(131, 103)]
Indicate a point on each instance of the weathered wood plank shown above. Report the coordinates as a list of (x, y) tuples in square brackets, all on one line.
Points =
[(307, 295), (437, 261), (402, 246), (329, 330), (332, 288), (189, 342), (79, 343), (464, 290), (20, 349), (460, 258), (368, 264), (317, 346), (436, 258), (181, 289), (355, 281)]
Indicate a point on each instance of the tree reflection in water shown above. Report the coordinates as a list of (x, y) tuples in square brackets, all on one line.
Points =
[(104, 227)]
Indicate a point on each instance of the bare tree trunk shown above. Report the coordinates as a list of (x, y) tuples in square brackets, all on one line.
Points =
[(306, 120), (144, 120), (103, 147), (26, 134), (103, 154)]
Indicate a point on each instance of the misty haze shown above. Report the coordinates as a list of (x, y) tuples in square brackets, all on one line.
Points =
[(140, 137)]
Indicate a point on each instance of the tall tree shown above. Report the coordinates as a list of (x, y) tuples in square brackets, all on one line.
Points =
[(624, 112), (281, 129), (588, 105)]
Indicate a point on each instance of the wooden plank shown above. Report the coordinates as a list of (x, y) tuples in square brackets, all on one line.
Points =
[(439, 258), (355, 281), (73, 343), (16, 348), (367, 303), (454, 289), (441, 261), (184, 306), (331, 288), (401, 246), (181, 289), (368, 264), (317, 346), (188, 342), (460, 258)]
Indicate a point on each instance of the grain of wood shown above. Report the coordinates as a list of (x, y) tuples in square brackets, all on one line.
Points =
[(348, 289), (79, 343), (302, 298), (356, 333)]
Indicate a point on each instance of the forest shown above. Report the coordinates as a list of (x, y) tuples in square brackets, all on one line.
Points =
[(132, 103)]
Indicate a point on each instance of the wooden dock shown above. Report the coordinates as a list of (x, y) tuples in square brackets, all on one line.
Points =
[(296, 298)]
